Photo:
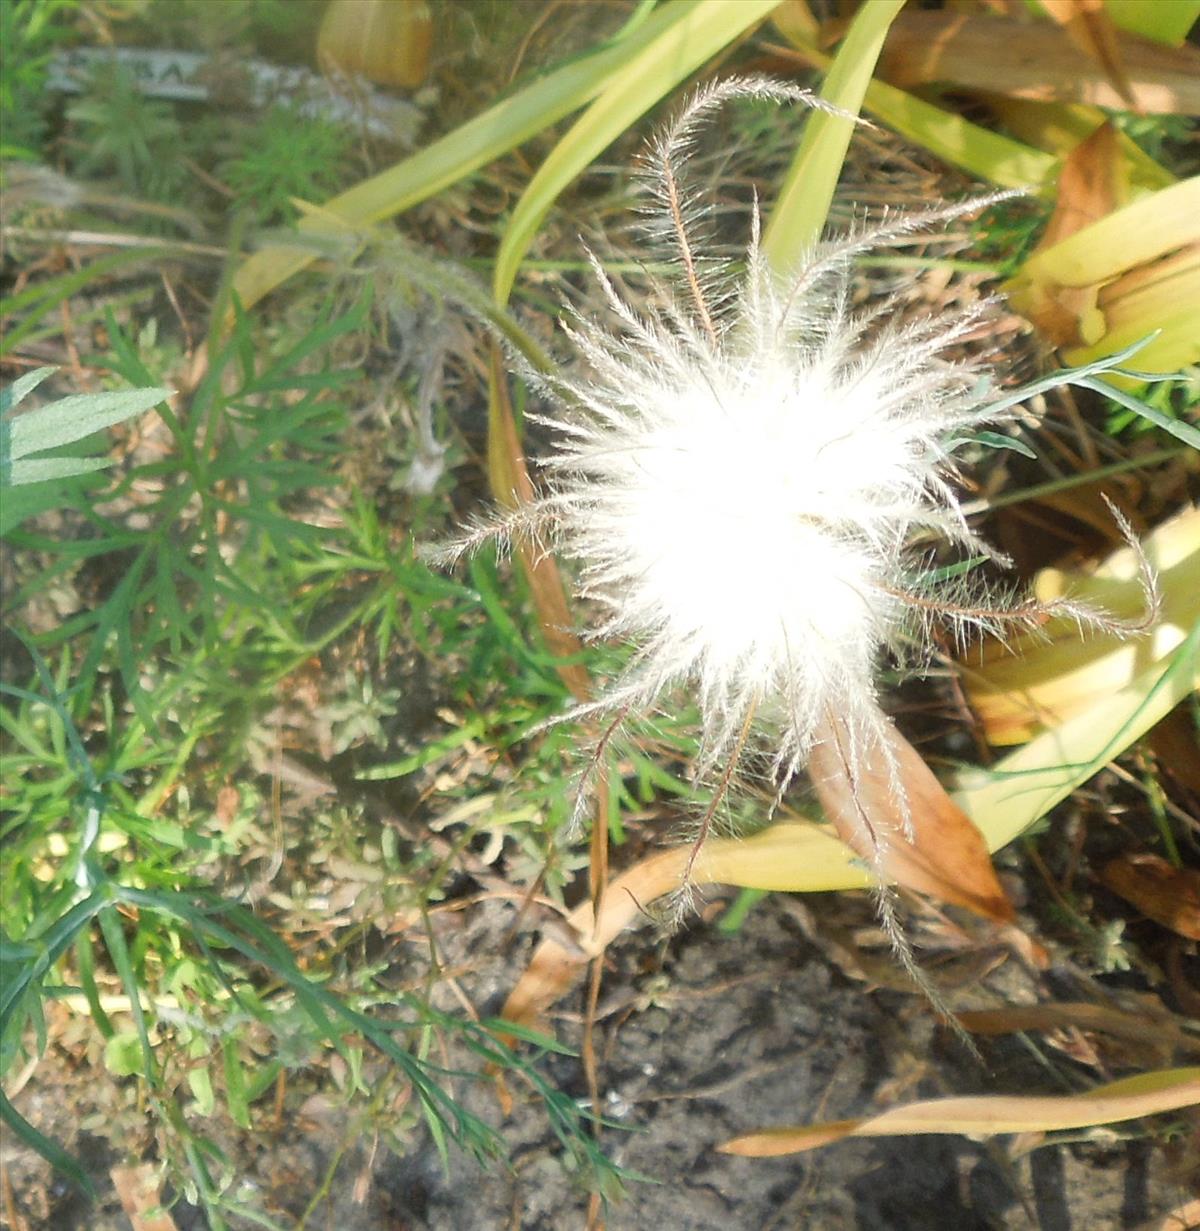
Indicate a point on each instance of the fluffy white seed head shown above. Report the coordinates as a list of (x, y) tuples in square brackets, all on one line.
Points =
[(739, 474), (741, 500), (738, 478)]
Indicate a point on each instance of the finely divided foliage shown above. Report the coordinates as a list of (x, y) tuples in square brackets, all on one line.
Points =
[(739, 477)]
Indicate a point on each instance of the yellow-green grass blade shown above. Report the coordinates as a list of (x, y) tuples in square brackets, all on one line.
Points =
[(988, 155), (1166, 21), (1003, 801), (1135, 235), (1170, 310), (1032, 681), (474, 144), (978, 151), (699, 29), (1134, 273), (799, 215), (1007, 798), (1057, 128)]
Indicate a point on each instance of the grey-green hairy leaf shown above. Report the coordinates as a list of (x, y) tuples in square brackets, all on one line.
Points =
[(993, 440), (73, 418), (21, 388), (43, 469), (31, 485)]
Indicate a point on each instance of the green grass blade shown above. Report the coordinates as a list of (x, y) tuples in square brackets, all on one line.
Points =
[(85, 964), (42, 297), (50, 946), (1176, 427), (800, 211), (480, 141), (118, 952), (978, 151), (51, 1151), (115, 614), (695, 33), (235, 1084)]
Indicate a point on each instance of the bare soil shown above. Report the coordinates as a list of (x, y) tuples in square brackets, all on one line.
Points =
[(702, 1036)]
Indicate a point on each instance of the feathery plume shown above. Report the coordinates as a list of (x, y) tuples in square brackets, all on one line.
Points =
[(739, 474)]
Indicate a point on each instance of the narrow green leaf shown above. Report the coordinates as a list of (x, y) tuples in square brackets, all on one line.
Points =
[(50, 946), (732, 921), (695, 34), (434, 1123), (51, 1151), (118, 952), (114, 614), (43, 296), (474, 144), (235, 1085), (263, 1080), (283, 374), (86, 965), (1176, 427), (430, 752), (527, 1034), (199, 1081), (997, 440), (802, 207)]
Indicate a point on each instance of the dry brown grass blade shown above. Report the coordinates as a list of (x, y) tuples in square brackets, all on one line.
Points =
[(977, 51), (141, 1197), (1168, 895), (923, 841), (1090, 187), (598, 877), (1160, 1030), (558, 962), (555, 967), (985, 1116), (512, 486), (1173, 742), (1090, 28)]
